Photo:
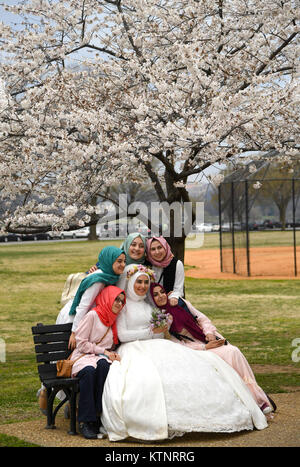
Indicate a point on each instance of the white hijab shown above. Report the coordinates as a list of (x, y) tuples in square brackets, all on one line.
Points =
[(132, 299)]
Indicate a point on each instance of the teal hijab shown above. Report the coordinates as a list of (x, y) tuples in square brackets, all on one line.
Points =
[(126, 244), (106, 259)]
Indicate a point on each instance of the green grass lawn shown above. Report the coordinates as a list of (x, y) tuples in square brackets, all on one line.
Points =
[(261, 238), (261, 317)]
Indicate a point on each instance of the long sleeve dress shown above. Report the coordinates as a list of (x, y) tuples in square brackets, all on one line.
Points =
[(88, 336), (134, 324), (229, 353), (87, 302), (161, 389)]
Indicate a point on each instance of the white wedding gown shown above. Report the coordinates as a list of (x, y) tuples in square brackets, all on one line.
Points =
[(161, 389)]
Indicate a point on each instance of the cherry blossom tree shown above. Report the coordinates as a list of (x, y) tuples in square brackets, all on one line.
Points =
[(97, 91)]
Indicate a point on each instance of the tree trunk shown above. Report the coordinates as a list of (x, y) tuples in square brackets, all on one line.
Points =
[(177, 246), (93, 231), (180, 195), (282, 215)]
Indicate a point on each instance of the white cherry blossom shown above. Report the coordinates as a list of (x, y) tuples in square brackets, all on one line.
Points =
[(98, 90)]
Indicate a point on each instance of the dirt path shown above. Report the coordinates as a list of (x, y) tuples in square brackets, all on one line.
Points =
[(264, 261), (283, 431)]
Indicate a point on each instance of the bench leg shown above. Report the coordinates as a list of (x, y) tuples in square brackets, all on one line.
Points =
[(73, 412), (50, 419), (71, 396)]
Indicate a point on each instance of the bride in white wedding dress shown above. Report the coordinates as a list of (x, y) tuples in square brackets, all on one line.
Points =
[(161, 389)]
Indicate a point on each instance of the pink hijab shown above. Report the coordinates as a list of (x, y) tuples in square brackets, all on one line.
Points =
[(167, 259)]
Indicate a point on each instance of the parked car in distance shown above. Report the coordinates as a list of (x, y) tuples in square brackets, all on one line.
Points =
[(204, 227), (36, 236), (10, 237), (112, 230), (266, 224), (80, 233), (62, 235), (226, 227), (291, 224), (253, 226), (144, 230)]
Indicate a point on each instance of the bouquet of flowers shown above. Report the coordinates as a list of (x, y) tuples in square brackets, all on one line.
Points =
[(159, 318)]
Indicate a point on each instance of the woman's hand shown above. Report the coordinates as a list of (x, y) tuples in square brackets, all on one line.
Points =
[(72, 341), (93, 269), (173, 301), (112, 355), (160, 329), (214, 344), (210, 337)]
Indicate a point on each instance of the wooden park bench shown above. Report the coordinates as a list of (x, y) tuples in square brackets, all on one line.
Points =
[(51, 344)]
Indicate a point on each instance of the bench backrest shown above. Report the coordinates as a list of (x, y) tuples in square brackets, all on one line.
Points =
[(51, 344)]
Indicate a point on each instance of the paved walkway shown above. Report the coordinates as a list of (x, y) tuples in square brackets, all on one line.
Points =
[(283, 431)]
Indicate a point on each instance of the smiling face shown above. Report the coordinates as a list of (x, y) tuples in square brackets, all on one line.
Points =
[(159, 296), (141, 285), (118, 304), (136, 249), (157, 251), (119, 265)]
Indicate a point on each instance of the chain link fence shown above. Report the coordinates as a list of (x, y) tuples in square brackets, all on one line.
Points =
[(260, 226)]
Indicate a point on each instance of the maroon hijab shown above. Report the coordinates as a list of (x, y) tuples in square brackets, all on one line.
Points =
[(182, 318)]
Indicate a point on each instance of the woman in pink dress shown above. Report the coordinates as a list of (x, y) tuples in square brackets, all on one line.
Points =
[(96, 337), (191, 328)]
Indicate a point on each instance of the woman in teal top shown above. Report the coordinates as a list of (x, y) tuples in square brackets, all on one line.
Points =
[(111, 264), (134, 247)]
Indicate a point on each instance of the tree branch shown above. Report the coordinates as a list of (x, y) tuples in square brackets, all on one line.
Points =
[(154, 178), (271, 57)]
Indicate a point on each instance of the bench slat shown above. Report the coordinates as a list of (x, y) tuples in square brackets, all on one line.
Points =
[(52, 357), (40, 348), (47, 371), (57, 337), (51, 328)]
